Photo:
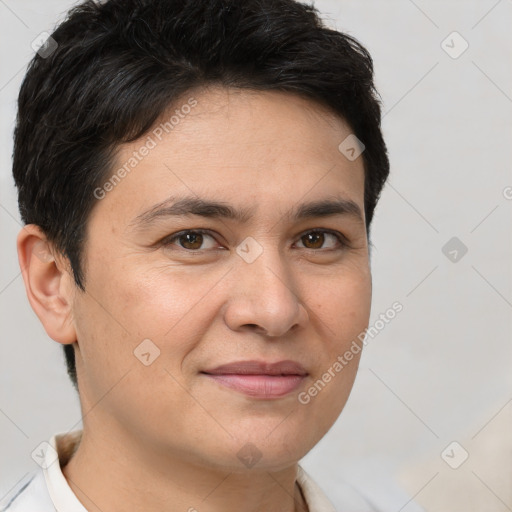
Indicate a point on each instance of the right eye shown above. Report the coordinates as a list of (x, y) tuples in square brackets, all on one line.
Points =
[(190, 240)]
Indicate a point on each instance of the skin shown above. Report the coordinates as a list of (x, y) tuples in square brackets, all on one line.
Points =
[(165, 436)]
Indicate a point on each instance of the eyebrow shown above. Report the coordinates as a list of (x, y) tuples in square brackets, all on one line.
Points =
[(187, 206)]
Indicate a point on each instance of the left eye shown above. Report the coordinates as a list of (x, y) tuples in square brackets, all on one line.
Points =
[(192, 240), (317, 238)]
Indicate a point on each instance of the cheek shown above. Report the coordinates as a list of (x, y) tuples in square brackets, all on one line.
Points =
[(171, 297), (174, 309), (114, 321), (343, 305), (343, 311)]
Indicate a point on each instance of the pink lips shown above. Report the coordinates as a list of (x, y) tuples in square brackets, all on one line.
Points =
[(260, 379)]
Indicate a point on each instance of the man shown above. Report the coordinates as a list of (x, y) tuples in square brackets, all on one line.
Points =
[(197, 182)]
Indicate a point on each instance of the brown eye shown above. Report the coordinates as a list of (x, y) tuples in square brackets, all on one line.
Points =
[(315, 240), (191, 240)]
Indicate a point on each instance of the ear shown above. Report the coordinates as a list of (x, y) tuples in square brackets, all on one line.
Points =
[(48, 282)]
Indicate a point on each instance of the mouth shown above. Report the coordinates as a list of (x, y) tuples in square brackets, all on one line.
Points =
[(259, 379)]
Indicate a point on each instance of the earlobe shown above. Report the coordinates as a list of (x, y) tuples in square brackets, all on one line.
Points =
[(48, 283)]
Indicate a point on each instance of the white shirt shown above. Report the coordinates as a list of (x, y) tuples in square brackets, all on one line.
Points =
[(47, 490)]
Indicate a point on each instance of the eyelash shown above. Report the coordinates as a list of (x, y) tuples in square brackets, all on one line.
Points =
[(342, 239)]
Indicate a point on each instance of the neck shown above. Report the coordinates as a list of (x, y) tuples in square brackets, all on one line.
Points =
[(106, 476)]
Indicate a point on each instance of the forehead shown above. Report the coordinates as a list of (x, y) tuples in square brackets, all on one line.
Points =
[(255, 150)]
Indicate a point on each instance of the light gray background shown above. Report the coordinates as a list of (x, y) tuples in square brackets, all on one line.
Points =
[(441, 370)]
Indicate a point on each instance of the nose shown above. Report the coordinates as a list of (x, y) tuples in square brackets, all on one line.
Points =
[(264, 297)]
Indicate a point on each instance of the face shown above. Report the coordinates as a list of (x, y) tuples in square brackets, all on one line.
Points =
[(256, 279)]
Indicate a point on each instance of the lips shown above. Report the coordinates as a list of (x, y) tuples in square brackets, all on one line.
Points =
[(259, 379), (259, 368)]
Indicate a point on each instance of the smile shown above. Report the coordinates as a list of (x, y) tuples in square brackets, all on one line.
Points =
[(260, 386)]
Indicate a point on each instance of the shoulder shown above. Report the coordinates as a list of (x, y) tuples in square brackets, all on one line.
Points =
[(345, 497), (28, 495), (46, 489)]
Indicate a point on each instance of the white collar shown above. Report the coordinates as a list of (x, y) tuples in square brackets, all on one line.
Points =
[(64, 499)]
